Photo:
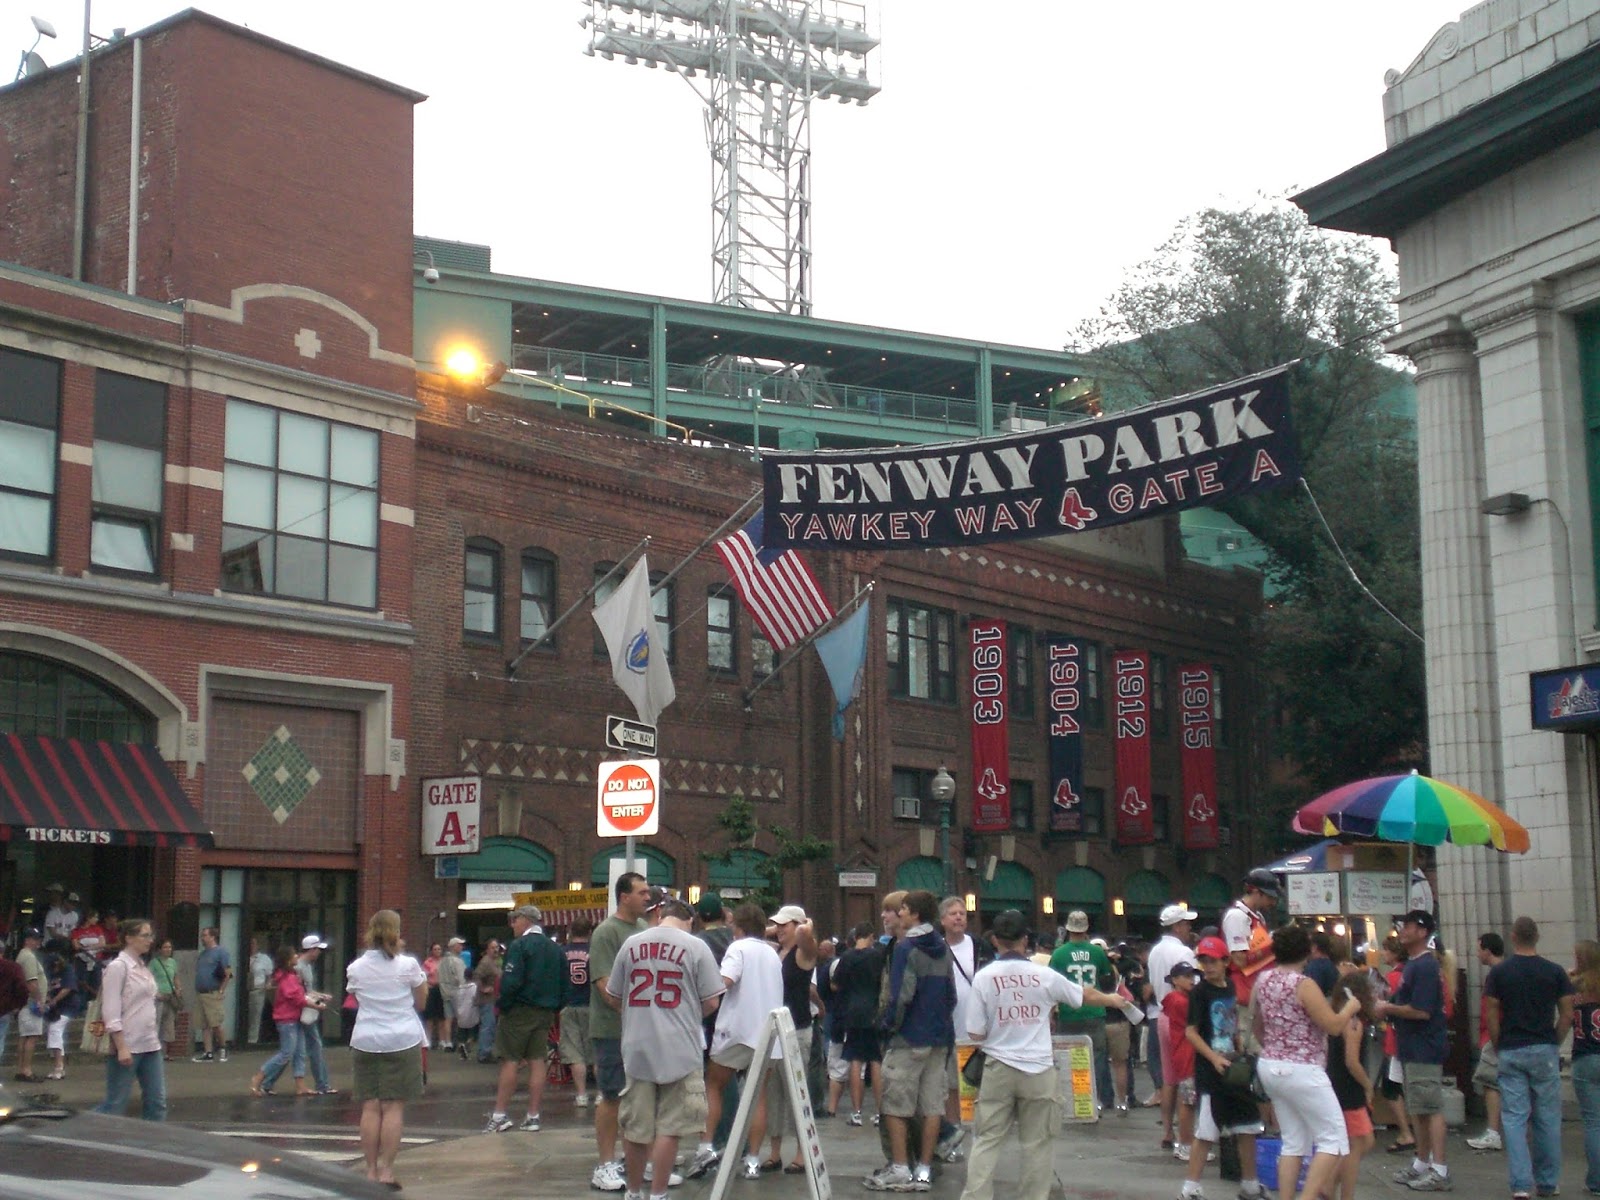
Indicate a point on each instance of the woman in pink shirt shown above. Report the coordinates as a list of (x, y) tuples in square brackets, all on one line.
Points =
[(288, 999), (128, 1011)]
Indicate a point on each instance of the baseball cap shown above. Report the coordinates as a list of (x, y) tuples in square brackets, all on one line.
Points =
[(1101, 942), (56, 887), (1009, 926), (1173, 913), (1421, 917), (528, 912), (32, 933), (457, 941), (658, 897), (313, 941), (789, 914), (1264, 881), (89, 943), (1077, 921), (72, 898), (1183, 968), (709, 906), (1211, 947)]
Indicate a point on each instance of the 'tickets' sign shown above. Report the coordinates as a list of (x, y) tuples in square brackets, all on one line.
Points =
[(451, 815), (1130, 692), (1064, 666), (629, 797), (991, 745), (1197, 757)]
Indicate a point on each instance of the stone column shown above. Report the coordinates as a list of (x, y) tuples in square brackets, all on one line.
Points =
[(1457, 612)]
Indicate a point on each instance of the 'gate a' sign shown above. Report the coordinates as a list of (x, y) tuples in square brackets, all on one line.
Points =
[(451, 815)]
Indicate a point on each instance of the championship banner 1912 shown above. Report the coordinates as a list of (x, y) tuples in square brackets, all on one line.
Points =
[(1197, 756), (1162, 458), (1130, 696), (1064, 686), (991, 744)]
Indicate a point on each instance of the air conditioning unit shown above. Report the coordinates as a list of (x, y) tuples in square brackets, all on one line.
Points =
[(908, 808)]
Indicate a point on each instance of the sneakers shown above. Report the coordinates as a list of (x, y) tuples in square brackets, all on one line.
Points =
[(1406, 1176), (1489, 1139), (447, 1045), (751, 1168), (855, 1119), (499, 1125), (1181, 1153), (895, 1177), (222, 1055), (673, 1180), (581, 1100), (705, 1157), (1121, 1108), (530, 1123), (922, 1177), (205, 1056), (949, 1147), (607, 1177), (461, 1049), (1432, 1181)]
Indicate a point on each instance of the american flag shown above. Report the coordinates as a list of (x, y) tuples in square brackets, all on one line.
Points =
[(776, 586)]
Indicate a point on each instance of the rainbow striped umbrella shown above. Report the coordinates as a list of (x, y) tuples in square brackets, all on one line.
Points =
[(1412, 808)]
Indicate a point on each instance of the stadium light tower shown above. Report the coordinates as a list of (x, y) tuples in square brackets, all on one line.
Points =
[(757, 64)]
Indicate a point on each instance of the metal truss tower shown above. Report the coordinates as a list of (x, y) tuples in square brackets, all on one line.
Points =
[(757, 64)]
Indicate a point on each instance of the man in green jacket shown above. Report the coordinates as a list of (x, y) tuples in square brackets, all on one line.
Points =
[(533, 988)]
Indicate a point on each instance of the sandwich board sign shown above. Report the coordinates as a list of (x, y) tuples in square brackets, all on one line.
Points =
[(629, 797), (779, 1028), (1074, 1055)]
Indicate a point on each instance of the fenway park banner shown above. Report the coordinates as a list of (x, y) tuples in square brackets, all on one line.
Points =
[(1064, 686), (1197, 757), (1178, 454), (991, 744), (1130, 696)]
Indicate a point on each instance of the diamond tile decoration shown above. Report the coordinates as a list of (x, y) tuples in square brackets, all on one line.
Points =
[(281, 774)]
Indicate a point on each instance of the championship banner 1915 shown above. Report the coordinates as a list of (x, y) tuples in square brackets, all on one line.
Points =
[(1064, 687), (991, 743), (1130, 697), (1197, 756), (1182, 453)]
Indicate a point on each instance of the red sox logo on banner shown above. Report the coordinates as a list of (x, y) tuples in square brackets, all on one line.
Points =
[(1197, 759), (991, 746), (1130, 673)]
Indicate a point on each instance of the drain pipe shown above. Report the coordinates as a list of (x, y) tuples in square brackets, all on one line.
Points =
[(133, 169), (80, 199)]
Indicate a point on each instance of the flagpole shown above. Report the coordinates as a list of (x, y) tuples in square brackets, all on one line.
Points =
[(715, 534), (511, 667), (849, 607)]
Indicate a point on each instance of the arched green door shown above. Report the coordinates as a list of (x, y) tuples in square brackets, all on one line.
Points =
[(738, 875), (657, 866), (1208, 897), (1081, 888), (1011, 887), (925, 873), (510, 860), (1144, 895)]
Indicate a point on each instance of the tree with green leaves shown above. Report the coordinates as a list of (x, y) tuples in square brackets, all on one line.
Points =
[(743, 831), (1237, 291)]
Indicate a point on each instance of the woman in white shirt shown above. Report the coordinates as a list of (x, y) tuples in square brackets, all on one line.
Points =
[(390, 988)]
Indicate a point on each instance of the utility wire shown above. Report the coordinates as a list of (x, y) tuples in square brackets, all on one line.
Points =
[(1339, 550)]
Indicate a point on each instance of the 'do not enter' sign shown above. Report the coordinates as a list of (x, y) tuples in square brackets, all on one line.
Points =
[(629, 797)]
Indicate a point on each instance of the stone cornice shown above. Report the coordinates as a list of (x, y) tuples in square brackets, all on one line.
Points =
[(1497, 313)]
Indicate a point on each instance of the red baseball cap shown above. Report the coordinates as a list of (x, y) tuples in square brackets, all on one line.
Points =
[(1212, 947)]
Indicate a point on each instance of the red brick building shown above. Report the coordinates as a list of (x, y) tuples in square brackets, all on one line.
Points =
[(207, 493)]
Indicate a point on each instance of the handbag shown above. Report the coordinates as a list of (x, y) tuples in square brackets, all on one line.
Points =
[(972, 1069), (95, 1038), (311, 1012), (1241, 1072)]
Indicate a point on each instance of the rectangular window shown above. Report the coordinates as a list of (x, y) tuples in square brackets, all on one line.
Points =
[(130, 423), (1160, 711), (1021, 671), (1094, 693), (30, 414), (1094, 812), (299, 507), (921, 652), (908, 785), (1022, 805), (660, 605), (538, 596), (1161, 818), (480, 589), (720, 645)]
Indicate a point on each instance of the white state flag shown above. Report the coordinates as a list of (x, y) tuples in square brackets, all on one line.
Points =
[(638, 661)]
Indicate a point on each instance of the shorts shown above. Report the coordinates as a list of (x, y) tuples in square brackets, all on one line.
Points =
[(914, 1080), (29, 1025), (862, 1045), (575, 1046), (734, 1056), (1207, 1130), (838, 1067), (523, 1034), (210, 1008), (609, 1076), (651, 1110), (1424, 1088), (1187, 1092), (395, 1075), (1389, 1086), (1118, 1038), (1358, 1122), (779, 1117), (55, 1033), (1486, 1075)]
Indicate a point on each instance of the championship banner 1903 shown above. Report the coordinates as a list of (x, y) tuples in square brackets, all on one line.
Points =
[(1162, 458), (1197, 756), (1130, 695), (991, 744), (1064, 686)]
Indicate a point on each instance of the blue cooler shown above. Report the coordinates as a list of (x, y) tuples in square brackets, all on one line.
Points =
[(1267, 1151)]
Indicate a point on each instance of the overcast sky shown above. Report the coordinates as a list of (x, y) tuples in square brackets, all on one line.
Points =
[(1021, 155)]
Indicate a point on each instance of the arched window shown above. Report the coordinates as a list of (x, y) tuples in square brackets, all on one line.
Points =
[(39, 696)]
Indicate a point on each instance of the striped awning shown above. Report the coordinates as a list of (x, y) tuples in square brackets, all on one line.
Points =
[(566, 916), (65, 791)]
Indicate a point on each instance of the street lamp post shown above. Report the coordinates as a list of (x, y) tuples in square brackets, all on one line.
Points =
[(943, 790)]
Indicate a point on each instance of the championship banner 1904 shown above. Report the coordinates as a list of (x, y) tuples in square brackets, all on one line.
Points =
[(1182, 453), (1197, 756), (1064, 686), (1130, 695), (991, 744)]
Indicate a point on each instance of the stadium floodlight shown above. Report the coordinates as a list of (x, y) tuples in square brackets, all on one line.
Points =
[(763, 62)]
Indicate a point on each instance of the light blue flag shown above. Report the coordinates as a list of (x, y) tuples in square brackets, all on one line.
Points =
[(844, 655)]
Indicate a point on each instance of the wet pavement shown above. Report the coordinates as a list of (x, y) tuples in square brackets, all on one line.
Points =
[(446, 1156)]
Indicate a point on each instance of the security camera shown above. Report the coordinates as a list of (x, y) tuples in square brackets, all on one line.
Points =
[(430, 275)]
